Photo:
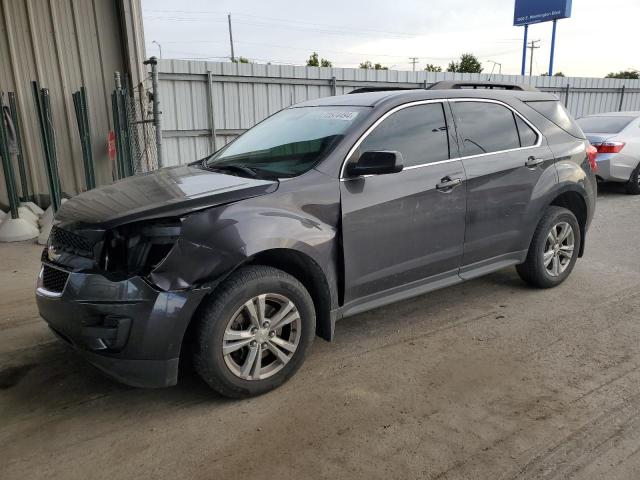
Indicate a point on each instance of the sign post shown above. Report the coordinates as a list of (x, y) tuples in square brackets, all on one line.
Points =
[(527, 12)]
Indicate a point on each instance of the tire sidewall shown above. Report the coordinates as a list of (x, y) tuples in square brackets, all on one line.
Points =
[(218, 318), (563, 215), (633, 185)]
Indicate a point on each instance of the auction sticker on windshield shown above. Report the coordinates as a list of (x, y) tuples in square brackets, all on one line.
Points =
[(347, 116)]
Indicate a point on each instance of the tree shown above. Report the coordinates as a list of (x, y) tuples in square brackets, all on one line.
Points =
[(241, 60), (468, 63), (630, 74), (558, 74), (314, 61), (367, 65), (432, 68)]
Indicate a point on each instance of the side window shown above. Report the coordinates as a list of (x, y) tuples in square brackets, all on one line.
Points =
[(528, 137), (486, 127), (419, 133)]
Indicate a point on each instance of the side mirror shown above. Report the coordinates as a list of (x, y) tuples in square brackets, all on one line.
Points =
[(378, 162)]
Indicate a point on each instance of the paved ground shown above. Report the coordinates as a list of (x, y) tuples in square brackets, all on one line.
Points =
[(485, 380)]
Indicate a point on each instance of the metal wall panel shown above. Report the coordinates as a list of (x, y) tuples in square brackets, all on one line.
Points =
[(64, 44), (245, 94)]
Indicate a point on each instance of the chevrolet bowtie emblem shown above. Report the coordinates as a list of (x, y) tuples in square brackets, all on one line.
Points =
[(52, 254)]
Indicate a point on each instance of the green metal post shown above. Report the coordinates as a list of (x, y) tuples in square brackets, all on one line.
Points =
[(46, 101), (47, 146), (24, 183), (87, 129), (9, 177)]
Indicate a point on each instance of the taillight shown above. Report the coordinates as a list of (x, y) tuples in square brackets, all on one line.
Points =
[(609, 147), (591, 155)]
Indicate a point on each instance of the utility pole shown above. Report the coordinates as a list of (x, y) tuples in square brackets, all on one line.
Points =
[(157, 119), (413, 62), (532, 46), (233, 57)]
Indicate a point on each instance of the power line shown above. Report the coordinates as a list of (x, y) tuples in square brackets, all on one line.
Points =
[(413, 61)]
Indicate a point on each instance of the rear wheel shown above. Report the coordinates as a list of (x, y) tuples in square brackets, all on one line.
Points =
[(633, 185), (553, 251), (254, 332)]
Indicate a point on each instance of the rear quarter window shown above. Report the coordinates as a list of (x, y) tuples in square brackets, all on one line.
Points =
[(555, 112)]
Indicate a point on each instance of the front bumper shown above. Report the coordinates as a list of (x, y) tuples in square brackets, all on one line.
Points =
[(128, 328)]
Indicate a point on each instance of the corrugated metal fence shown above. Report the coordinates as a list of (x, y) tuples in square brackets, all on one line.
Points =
[(198, 98)]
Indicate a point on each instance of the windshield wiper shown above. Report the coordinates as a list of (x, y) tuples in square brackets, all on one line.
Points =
[(242, 169)]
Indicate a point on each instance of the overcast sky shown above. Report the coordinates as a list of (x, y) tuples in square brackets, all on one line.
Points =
[(599, 38)]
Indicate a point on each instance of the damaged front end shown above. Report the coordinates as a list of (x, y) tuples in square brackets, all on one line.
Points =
[(100, 291)]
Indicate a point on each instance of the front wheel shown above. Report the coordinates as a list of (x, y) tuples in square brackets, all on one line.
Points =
[(253, 332), (553, 251)]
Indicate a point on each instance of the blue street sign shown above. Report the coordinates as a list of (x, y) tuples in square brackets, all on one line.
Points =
[(536, 11)]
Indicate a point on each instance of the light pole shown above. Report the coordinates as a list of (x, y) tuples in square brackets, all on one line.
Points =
[(494, 66), (159, 47)]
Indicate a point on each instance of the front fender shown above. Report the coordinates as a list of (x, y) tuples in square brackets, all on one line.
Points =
[(214, 242)]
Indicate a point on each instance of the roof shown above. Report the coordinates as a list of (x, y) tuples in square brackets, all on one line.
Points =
[(371, 99)]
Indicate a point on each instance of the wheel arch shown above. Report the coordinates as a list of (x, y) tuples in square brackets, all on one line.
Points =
[(297, 264), (576, 204)]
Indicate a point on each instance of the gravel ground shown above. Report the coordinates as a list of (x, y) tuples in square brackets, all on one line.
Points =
[(485, 380)]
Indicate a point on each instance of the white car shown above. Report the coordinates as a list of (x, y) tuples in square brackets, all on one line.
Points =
[(616, 136)]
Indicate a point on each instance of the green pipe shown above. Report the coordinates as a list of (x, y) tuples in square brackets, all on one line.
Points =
[(9, 177), (45, 147), (46, 101), (24, 183), (87, 129)]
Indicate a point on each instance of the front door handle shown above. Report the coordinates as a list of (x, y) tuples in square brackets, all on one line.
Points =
[(533, 162), (447, 184)]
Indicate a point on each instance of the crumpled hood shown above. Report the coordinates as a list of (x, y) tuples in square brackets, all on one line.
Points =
[(168, 192)]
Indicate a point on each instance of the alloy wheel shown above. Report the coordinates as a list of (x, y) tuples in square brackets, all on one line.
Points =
[(559, 248), (261, 337)]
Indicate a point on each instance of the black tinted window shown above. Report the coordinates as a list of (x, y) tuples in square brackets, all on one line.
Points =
[(528, 137), (555, 111), (419, 133), (486, 127)]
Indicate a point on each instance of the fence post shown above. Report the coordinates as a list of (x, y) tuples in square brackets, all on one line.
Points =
[(157, 120), (332, 82), (9, 176), (21, 168), (566, 95), (621, 98), (212, 120)]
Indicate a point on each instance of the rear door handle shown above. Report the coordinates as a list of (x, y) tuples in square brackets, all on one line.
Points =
[(533, 162), (447, 184)]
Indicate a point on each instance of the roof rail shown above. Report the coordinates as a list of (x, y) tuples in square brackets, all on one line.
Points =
[(381, 89), (449, 85)]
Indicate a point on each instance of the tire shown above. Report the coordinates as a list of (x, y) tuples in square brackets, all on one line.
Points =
[(254, 360), (535, 270), (633, 185)]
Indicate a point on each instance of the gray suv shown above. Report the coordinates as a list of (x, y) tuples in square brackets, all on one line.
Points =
[(324, 210)]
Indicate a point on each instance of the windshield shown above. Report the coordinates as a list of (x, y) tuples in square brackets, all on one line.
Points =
[(290, 142), (603, 124)]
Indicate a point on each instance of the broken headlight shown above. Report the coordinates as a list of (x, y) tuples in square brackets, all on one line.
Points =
[(137, 249)]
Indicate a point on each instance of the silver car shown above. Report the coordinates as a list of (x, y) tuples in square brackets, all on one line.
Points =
[(616, 136)]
